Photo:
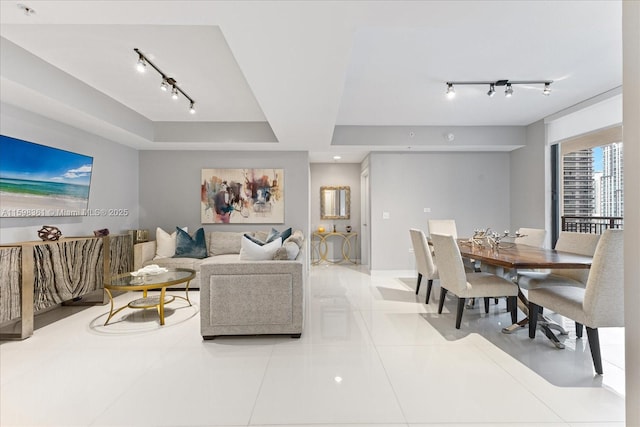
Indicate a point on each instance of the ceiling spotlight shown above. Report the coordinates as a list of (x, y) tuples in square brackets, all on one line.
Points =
[(337, 157), (492, 89), (547, 89), (451, 92), (164, 86), (141, 66), (192, 109), (174, 93), (508, 92)]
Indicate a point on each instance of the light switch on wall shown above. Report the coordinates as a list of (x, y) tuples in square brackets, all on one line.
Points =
[(385, 215), (427, 210)]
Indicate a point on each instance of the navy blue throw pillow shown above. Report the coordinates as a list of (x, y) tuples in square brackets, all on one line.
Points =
[(188, 247), (274, 234)]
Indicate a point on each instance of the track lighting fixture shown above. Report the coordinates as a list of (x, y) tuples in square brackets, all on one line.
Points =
[(167, 82), (508, 91)]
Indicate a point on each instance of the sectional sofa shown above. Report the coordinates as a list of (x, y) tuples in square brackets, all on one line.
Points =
[(240, 296)]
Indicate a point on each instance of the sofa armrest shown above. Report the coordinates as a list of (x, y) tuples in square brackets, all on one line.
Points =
[(251, 298), (143, 252)]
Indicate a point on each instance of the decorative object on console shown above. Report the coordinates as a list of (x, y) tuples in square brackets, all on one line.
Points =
[(49, 233), (60, 189), (101, 233), (254, 196), (321, 229), (348, 229), (139, 236)]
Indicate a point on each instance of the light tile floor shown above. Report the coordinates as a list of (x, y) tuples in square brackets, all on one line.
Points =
[(372, 353)]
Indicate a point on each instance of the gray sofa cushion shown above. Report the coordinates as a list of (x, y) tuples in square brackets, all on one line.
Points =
[(224, 242)]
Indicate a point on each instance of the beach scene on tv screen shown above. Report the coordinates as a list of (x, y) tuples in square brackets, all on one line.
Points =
[(36, 180)]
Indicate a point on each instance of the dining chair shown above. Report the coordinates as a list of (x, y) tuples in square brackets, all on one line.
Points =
[(531, 237), (599, 304), (424, 260), (568, 241), (443, 226), (465, 285)]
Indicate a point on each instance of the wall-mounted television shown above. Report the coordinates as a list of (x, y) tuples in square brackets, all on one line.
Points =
[(36, 180)]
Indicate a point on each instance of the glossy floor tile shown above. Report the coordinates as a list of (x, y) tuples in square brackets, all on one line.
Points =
[(372, 353)]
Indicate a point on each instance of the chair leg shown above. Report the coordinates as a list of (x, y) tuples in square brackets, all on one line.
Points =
[(486, 304), (429, 285), (594, 345), (443, 293), (459, 312), (579, 330), (418, 284), (512, 303), (533, 319)]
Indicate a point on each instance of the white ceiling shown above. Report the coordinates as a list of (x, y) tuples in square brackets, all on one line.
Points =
[(282, 75)]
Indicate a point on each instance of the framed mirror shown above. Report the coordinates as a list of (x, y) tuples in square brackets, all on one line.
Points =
[(335, 202)]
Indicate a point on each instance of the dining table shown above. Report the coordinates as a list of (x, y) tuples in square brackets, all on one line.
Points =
[(515, 257)]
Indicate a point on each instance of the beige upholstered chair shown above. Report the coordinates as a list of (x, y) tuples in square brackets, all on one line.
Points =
[(445, 227), (599, 304), (468, 285), (424, 261), (577, 243), (531, 236)]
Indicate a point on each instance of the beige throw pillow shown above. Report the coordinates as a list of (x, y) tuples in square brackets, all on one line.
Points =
[(166, 243)]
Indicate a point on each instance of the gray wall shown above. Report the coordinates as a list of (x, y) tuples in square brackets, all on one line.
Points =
[(114, 183), (531, 182), (336, 174), (170, 187), (472, 188)]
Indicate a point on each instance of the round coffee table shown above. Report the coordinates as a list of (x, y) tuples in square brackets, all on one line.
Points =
[(128, 283)]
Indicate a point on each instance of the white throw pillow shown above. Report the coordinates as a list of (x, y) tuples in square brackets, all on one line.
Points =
[(166, 243), (251, 251)]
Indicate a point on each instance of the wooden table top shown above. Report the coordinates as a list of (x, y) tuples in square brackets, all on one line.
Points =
[(523, 256)]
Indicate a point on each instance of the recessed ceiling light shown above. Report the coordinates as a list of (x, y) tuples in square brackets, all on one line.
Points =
[(337, 157), (27, 10)]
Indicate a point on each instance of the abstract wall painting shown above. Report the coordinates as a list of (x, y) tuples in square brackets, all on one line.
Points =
[(242, 196)]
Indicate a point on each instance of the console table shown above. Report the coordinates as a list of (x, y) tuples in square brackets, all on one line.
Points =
[(37, 275), (320, 247)]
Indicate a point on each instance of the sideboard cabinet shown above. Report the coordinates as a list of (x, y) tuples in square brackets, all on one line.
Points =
[(35, 276)]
